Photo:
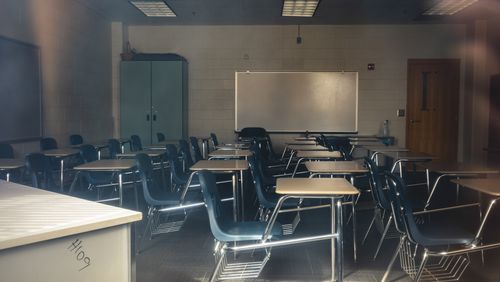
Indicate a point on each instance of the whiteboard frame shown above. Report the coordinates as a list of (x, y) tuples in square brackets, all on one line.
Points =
[(295, 72)]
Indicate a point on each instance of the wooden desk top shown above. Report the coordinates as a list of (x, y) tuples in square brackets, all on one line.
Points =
[(230, 153), (315, 186), (307, 148), (233, 146), (490, 186), (365, 139), (382, 149), (336, 167), (11, 163), (305, 139), (459, 168), (97, 145), (151, 153), (301, 143), (64, 152), (363, 143), (319, 154), (220, 165), (107, 165), (29, 215), (409, 156)]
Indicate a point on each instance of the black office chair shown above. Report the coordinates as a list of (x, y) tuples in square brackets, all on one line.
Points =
[(135, 143), (226, 231), (75, 139), (114, 148), (160, 136), (48, 143), (251, 132), (6, 151), (38, 166), (196, 149)]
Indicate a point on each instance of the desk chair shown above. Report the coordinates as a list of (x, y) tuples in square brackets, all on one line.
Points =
[(215, 142), (226, 231), (114, 148), (96, 179), (196, 149), (185, 152), (48, 143), (160, 136), (38, 166), (166, 213), (445, 245), (250, 132), (135, 143), (178, 177), (75, 139), (6, 151)]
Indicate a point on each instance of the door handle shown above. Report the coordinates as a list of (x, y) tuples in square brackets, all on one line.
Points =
[(414, 121), (147, 117), (154, 117)]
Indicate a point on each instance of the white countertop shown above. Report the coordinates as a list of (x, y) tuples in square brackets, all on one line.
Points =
[(30, 215)]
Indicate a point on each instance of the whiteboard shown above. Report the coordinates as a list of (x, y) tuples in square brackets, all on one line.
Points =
[(297, 101)]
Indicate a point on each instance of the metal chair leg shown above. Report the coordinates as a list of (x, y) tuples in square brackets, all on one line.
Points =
[(383, 236), (148, 225), (369, 227), (393, 259), (222, 254)]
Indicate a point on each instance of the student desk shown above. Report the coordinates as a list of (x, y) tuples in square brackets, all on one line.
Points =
[(374, 151), (230, 154), (98, 146), (331, 188), (303, 138), (8, 165), (302, 147), (345, 168), (297, 143), (150, 153), (236, 168), (407, 157), (46, 237), (119, 166), (161, 145), (488, 186), (315, 155), (456, 170), (235, 146), (61, 154), (364, 139)]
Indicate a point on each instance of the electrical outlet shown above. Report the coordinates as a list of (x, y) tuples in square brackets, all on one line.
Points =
[(400, 113)]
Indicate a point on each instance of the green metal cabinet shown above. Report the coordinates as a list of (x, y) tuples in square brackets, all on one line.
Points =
[(153, 98)]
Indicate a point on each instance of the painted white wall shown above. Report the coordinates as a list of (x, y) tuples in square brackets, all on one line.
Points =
[(74, 42), (214, 53)]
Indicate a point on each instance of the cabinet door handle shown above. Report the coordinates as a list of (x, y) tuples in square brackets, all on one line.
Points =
[(147, 117), (154, 117)]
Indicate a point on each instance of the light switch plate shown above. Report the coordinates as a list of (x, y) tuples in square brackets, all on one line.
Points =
[(400, 113)]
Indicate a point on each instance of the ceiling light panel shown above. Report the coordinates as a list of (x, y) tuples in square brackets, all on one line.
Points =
[(448, 7), (299, 8), (154, 8)]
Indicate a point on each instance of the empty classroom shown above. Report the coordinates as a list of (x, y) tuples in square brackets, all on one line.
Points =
[(249, 140)]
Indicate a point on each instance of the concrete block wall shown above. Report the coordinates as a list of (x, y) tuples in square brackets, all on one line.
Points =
[(214, 53), (74, 42)]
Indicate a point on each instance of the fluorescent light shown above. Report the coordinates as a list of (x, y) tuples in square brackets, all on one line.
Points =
[(299, 8), (448, 7), (154, 8)]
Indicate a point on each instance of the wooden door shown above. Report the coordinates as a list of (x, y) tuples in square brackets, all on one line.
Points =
[(432, 107)]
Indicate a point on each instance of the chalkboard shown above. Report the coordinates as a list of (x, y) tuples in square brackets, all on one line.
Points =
[(297, 101), (20, 91)]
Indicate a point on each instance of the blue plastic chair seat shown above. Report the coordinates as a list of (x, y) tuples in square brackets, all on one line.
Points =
[(245, 231), (443, 234)]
